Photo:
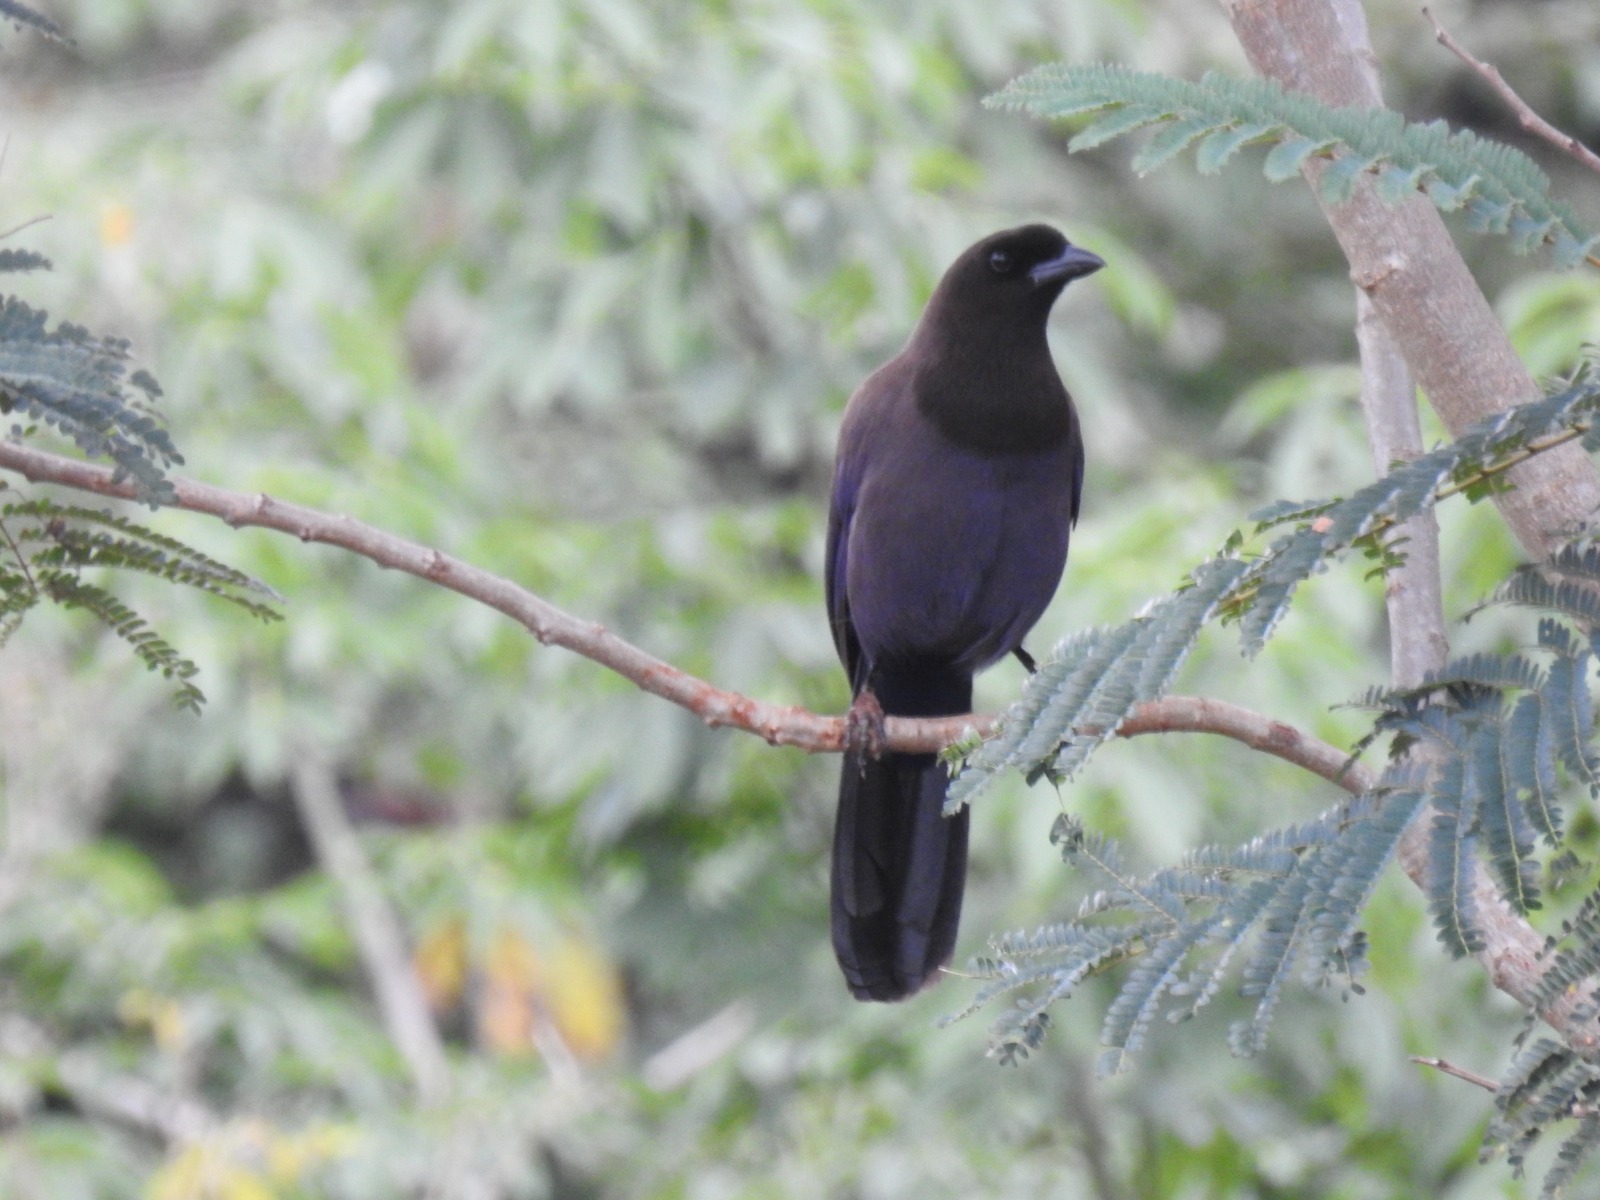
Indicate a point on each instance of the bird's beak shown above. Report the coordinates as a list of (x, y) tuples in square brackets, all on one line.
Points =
[(1072, 263)]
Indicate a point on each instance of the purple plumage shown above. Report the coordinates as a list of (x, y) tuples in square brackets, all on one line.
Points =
[(957, 484)]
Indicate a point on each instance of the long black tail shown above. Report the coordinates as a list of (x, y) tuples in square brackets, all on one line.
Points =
[(899, 865)]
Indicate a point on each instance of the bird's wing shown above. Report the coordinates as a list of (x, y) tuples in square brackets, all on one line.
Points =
[(1077, 467), (836, 569)]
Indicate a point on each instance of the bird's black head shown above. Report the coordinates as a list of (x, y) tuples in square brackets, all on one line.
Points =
[(999, 292), (1026, 266)]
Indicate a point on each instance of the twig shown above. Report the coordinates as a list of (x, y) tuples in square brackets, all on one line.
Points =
[(1201, 714), (19, 228), (1513, 948), (374, 925), (778, 724), (1576, 1110), (1449, 1068), (681, 1059), (1526, 117), (22, 559), (1413, 592)]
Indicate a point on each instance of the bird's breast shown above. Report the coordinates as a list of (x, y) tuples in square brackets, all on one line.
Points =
[(954, 553)]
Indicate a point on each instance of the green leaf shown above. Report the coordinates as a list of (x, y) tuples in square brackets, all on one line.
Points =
[(1285, 160), (1447, 197), (1218, 147), (1124, 120), (1338, 181), (23, 260), (1488, 216), (1396, 184), (1171, 141)]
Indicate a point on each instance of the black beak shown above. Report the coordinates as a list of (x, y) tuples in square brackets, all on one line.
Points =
[(1072, 263)]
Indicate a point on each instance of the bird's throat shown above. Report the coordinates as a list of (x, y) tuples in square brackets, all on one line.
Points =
[(1001, 399)]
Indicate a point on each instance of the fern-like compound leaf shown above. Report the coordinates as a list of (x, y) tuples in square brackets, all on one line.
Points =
[(1501, 190), (1340, 879), (82, 386), (68, 590), (21, 14), (22, 260)]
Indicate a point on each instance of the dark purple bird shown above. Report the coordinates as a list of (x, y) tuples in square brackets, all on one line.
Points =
[(959, 472)]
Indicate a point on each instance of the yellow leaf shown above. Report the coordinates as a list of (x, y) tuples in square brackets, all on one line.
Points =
[(245, 1185), (585, 999), (440, 961), (181, 1178), (289, 1158), (162, 1015), (116, 224), (511, 976), (573, 990)]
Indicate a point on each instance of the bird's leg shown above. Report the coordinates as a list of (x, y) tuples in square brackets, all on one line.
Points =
[(1026, 660), (863, 726)]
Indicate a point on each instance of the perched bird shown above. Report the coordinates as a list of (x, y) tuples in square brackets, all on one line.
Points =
[(957, 483)]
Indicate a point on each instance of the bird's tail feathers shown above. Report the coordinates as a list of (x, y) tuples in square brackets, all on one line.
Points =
[(899, 864)]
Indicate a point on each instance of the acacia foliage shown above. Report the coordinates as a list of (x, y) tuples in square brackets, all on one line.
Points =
[(84, 386)]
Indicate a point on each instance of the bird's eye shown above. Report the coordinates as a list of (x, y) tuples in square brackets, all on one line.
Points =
[(999, 262)]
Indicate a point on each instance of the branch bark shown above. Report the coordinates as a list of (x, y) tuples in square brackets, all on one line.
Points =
[(1413, 592)]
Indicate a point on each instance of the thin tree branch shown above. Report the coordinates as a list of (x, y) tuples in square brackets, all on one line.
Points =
[(374, 925), (1413, 593), (781, 725), (31, 221), (1449, 1068), (1577, 1110), (1526, 116), (1417, 640), (1513, 950), (778, 724), (1201, 714)]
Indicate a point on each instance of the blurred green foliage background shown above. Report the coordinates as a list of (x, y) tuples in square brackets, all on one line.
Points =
[(576, 291)]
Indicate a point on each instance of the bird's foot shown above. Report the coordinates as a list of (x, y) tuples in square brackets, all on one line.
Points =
[(863, 726)]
